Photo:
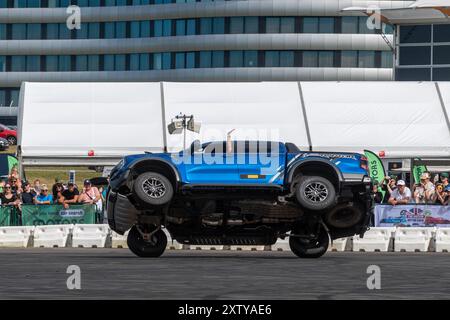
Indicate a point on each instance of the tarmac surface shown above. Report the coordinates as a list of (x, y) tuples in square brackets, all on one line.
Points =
[(118, 274)]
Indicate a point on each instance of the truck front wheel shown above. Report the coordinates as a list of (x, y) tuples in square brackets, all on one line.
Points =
[(153, 188), (152, 247), (315, 193), (310, 248)]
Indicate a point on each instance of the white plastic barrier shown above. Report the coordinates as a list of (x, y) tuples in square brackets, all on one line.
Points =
[(15, 237), (443, 240), (119, 241), (171, 243), (375, 239), (414, 239), (339, 244), (90, 235), (281, 245), (247, 248), (204, 247), (52, 236)]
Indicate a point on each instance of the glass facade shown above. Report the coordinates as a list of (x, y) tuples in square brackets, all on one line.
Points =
[(423, 53), (89, 3), (198, 59), (183, 27)]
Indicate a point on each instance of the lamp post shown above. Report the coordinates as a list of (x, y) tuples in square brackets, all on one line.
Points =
[(181, 123)]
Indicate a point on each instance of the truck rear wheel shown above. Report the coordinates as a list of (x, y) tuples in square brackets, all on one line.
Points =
[(310, 248), (153, 188), (315, 193), (147, 248)]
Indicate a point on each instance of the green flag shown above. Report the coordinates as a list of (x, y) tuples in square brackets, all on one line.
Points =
[(12, 162), (417, 171), (376, 168)]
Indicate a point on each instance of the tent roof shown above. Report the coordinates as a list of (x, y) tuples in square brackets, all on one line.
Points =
[(419, 12)]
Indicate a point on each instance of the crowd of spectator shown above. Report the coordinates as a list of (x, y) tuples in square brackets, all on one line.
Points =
[(427, 191), (15, 192)]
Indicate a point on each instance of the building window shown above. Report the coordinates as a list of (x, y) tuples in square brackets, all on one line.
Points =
[(273, 25), (415, 55), (349, 59), (441, 33), (51, 63), (120, 62), (326, 25), (108, 62), (93, 63), (145, 29), (134, 61), (144, 61), (441, 74), (110, 30), (135, 29), (19, 31), (250, 59), (236, 25), (34, 31), (33, 63), (251, 25), (310, 25), (190, 27), (441, 55), (349, 25), (205, 59), (64, 63), (366, 59), (415, 34), (205, 26), (236, 59), (18, 63), (413, 74), (218, 59), (272, 59), (190, 60), (181, 27), (387, 59), (326, 59), (310, 59), (180, 60), (81, 63)]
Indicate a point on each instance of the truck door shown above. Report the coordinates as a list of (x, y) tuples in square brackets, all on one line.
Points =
[(212, 165), (261, 162)]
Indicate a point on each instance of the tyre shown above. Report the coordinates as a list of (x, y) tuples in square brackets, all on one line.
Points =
[(310, 248), (315, 193), (12, 140), (153, 188), (343, 216), (152, 248)]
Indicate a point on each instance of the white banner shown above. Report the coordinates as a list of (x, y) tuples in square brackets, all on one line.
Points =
[(412, 216)]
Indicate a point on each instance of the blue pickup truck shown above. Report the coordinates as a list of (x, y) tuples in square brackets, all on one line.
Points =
[(239, 193)]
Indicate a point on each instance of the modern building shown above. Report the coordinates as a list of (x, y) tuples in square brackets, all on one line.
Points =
[(206, 40)]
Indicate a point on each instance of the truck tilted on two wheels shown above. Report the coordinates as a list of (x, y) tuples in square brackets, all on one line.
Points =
[(239, 193)]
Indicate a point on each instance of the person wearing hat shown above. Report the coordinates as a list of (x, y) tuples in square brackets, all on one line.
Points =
[(90, 194), (401, 195), (28, 194), (70, 195), (44, 196)]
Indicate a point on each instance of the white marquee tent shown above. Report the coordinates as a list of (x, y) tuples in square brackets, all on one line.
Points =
[(97, 123)]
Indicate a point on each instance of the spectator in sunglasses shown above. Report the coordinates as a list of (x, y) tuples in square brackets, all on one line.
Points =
[(9, 198), (44, 197)]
